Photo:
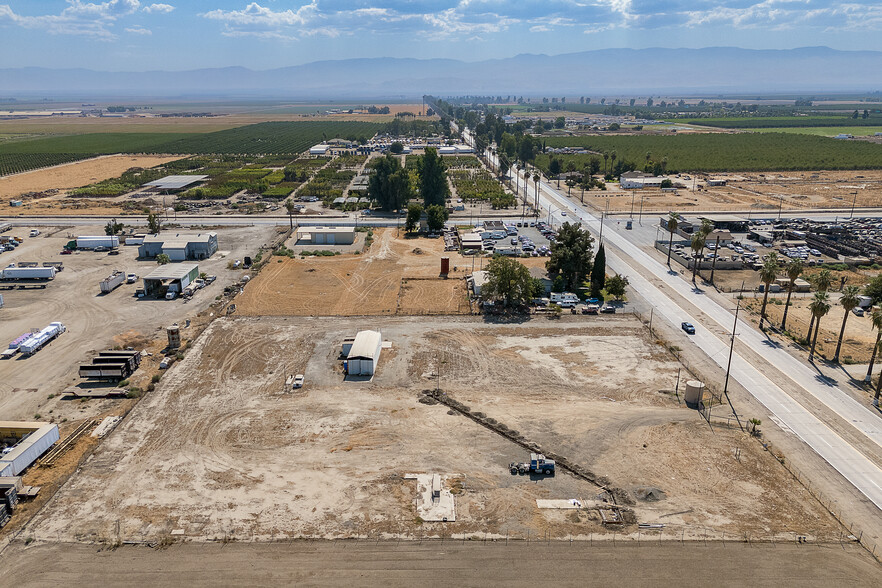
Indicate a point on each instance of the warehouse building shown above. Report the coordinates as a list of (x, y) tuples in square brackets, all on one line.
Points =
[(171, 277), (27, 442), (326, 235), (180, 246), (364, 353)]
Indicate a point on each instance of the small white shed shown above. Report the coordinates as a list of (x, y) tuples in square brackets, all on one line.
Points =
[(364, 353)]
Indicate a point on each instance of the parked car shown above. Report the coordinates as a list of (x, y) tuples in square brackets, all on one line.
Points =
[(210, 279), (131, 278), (171, 295), (298, 381), (608, 309), (66, 252), (688, 328), (858, 311)]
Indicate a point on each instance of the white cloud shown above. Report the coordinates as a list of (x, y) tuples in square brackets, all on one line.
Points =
[(138, 30), (161, 8), (77, 18)]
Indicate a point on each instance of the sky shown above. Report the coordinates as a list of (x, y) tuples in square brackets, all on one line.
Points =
[(134, 35)]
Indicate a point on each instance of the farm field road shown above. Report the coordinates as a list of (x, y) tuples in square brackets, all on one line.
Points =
[(410, 563)]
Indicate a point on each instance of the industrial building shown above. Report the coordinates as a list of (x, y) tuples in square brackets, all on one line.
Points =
[(326, 235), (729, 222), (319, 149), (173, 183), (171, 277), (28, 441), (364, 353), (635, 180), (180, 246)]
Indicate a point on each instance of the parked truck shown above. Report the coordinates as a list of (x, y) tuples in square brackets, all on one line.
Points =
[(564, 299), (538, 465), (14, 274), (106, 241), (110, 283), (38, 340)]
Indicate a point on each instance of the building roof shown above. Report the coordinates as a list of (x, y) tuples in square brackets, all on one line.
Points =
[(179, 240), (480, 278), (365, 345), (723, 218), (175, 182), (723, 235), (171, 271), (540, 273), (327, 230)]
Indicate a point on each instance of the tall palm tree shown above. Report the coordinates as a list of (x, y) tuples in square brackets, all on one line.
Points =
[(518, 179), (768, 273), (612, 163), (823, 281), (707, 227), (698, 242), (848, 301), (673, 220), (794, 270), (878, 390), (536, 178), (820, 306), (605, 160), (876, 320), (289, 206)]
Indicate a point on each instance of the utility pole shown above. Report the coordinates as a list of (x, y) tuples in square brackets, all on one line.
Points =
[(714, 263), (640, 218), (632, 204), (853, 202), (729, 367)]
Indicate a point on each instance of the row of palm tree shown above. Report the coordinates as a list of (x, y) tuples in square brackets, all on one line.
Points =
[(699, 241), (820, 307)]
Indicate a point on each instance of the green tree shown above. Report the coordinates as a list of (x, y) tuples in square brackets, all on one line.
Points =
[(560, 122), (414, 213), (112, 227), (598, 271), (794, 270), (554, 169), (436, 216), (507, 280), (823, 280), (153, 223), (614, 127), (526, 149), (819, 307), (876, 320), (848, 301), (289, 206), (509, 145), (673, 221), (389, 185), (698, 242), (163, 259), (396, 148), (768, 273), (874, 290), (571, 255), (433, 178), (616, 285)]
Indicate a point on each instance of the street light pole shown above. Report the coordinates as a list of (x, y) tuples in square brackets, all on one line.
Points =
[(853, 202)]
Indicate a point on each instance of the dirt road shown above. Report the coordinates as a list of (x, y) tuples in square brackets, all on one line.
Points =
[(425, 563)]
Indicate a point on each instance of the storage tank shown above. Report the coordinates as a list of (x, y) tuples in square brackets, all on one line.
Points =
[(174, 336), (445, 266), (694, 392)]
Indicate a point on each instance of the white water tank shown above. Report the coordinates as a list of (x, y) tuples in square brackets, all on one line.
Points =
[(694, 392)]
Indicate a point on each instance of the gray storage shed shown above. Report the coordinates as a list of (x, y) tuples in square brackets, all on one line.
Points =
[(364, 353)]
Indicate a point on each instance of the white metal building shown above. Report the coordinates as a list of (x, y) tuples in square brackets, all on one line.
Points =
[(327, 235), (319, 149), (364, 353)]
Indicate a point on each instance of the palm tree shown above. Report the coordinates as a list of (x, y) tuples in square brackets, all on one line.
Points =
[(698, 242), (768, 273), (707, 227), (673, 219), (823, 281), (613, 157), (536, 181), (289, 206), (605, 159), (876, 319), (820, 306), (664, 164), (794, 270), (878, 390), (848, 301)]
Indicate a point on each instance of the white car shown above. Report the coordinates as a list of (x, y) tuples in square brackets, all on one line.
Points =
[(298, 381), (131, 278)]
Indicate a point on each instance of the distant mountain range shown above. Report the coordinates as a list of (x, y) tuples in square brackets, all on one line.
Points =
[(716, 70)]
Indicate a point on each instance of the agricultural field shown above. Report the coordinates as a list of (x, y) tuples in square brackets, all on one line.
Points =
[(826, 131), (764, 122), (710, 152), (288, 138), (479, 184)]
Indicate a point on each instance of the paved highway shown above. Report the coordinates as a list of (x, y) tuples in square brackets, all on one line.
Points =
[(627, 259)]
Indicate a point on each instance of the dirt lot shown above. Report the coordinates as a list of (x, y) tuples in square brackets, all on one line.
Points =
[(93, 322), (395, 276), (760, 193), (325, 563), (73, 175), (220, 451)]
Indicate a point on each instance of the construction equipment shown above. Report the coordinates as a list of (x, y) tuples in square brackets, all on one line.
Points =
[(538, 464)]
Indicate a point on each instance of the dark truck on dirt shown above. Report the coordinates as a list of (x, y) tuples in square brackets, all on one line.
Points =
[(537, 465)]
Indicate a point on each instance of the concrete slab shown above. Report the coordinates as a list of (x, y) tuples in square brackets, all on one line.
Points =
[(439, 508)]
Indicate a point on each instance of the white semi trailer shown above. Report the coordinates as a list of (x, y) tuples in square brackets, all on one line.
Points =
[(27, 273), (38, 340), (109, 283)]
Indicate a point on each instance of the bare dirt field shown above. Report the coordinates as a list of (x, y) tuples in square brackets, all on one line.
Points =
[(369, 563), (74, 175), (395, 276), (221, 452), (762, 193)]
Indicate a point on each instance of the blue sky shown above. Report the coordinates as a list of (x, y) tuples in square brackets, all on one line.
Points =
[(139, 35)]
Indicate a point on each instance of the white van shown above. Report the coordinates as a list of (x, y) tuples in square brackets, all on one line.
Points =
[(34, 232)]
